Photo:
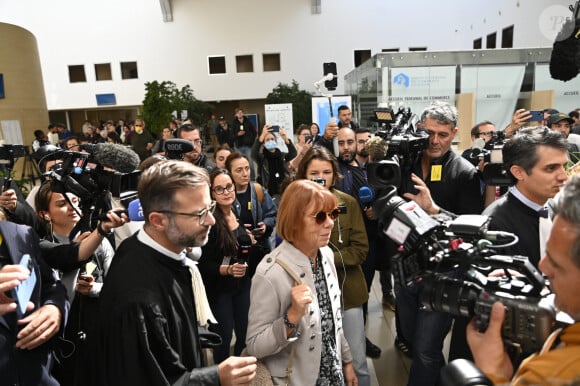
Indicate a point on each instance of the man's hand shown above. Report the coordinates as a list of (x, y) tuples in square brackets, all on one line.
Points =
[(149, 146), (330, 131), (369, 213), (237, 371), (350, 378), (41, 325), (487, 347), (520, 118), (8, 200), (10, 277), (423, 198)]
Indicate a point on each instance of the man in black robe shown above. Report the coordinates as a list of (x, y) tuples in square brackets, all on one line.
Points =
[(148, 327)]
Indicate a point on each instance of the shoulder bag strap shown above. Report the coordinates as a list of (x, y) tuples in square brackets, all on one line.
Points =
[(298, 280)]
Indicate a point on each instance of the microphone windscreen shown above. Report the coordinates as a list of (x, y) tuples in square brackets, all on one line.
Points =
[(136, 211), (366, 195), (118, 157), (564, 64)]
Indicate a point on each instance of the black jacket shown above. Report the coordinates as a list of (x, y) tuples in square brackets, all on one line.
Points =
[(249, 132), (29, 367), (459, 190)]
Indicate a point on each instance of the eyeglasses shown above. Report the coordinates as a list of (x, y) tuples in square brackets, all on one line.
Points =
[(321, 216), (221, 190), (202, 214), (486, 133)]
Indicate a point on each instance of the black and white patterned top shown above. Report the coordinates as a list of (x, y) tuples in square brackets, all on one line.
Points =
[(330, 373)]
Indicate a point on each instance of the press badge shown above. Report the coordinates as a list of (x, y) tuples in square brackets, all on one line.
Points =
[(250, 206), (436, 172)]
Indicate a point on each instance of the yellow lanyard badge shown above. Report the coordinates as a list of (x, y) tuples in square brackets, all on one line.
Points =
[(436, 172)]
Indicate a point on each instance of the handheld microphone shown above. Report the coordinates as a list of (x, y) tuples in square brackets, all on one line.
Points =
[(136, 211), (175, 148), (110, 155), (366, 195)]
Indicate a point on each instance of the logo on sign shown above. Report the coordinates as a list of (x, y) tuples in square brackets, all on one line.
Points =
[(401, 79)]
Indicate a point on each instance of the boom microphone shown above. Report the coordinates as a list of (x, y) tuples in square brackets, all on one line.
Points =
[(565, 59), (110, 155)]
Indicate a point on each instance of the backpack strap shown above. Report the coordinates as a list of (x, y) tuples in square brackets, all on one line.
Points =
[(259, 192)]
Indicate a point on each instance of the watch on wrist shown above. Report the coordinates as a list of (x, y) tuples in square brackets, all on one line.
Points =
[(287, 322)]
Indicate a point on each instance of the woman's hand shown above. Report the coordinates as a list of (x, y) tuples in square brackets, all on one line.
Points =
[(85, 284), (283, 135), (265, 131), (350, 378), (238, 270), (114, 220), (301, 296)]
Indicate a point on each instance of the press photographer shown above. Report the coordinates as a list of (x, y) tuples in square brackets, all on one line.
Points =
[(436, 178), (557, 362)]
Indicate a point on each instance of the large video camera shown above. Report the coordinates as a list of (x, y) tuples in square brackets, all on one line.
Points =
[(494, 172), (400, 131), (90, 175), (450, 258)]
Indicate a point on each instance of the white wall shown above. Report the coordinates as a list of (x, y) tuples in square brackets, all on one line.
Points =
[(111, 31)]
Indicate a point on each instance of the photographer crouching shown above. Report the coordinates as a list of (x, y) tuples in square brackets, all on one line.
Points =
[(557, 362)]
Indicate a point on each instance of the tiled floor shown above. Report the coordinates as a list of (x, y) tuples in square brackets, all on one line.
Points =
[(392, 368)]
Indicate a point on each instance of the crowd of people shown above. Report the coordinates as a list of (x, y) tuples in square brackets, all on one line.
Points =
[(270, 241)]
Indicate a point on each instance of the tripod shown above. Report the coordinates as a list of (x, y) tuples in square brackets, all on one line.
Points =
[(29, 169)]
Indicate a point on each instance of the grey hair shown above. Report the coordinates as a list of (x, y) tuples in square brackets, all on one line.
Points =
[(568, 207), (442, 112)]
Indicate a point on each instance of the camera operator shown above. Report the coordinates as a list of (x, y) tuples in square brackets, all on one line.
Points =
[(557, 363), (536, 159), (192, 133), (439, 178)]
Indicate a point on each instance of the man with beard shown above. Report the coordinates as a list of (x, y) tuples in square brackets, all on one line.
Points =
[(148, 332), (438, 178), (191, 133)]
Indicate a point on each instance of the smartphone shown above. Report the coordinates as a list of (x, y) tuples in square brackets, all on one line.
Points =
[(537, 115), (87, 278), (256, 231), (319, 180), (23, 292), (275, 128), (307, 138)]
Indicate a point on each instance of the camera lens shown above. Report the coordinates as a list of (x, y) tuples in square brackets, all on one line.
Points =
[(453, 296)]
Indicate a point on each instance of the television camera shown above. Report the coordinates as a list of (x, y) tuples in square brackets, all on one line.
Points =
[(494, 172), (90, 175), (450, 258), (400, 131)]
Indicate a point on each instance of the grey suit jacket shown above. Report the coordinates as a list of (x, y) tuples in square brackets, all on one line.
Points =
[(269, 301)]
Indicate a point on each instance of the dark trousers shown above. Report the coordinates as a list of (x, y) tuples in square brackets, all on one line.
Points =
[(230, 309), (426, 330)]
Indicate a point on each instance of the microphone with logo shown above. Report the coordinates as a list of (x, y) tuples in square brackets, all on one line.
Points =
[(136, 211), (176, 148), (366, 196)]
